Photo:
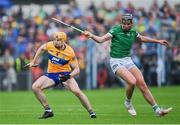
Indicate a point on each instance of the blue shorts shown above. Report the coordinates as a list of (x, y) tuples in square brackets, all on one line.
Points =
[(55, 76)]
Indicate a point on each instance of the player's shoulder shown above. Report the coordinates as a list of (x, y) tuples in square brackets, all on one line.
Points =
[(69, 48), (49, 43), (116, 26), (133, 29)]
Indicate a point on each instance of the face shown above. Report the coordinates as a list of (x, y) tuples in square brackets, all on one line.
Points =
[(127, 25), (58, 43)]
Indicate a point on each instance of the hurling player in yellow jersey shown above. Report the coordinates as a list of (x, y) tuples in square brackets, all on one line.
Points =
[(62, 67)]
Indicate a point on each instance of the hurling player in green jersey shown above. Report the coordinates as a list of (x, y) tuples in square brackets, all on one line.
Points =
[(122, 37)]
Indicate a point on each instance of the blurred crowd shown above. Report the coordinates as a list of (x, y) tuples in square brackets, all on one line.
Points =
[(21, 34)]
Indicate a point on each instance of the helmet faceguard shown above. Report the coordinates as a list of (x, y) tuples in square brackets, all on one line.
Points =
[(127, 19), (127, 22)]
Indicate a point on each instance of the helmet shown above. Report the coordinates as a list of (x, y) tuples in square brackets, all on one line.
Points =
[(127, 18), (60, 36)]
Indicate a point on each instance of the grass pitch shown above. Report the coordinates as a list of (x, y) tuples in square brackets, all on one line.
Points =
[(22, 107)]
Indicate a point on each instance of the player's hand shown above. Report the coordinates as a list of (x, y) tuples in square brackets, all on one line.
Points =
[(164, 42), (87, 34), (31, 64), (64, 78)]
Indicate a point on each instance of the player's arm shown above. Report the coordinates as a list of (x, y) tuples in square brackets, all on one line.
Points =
[(40, 50), (75, 70), (148, 39), (75, 67), (98, 39)]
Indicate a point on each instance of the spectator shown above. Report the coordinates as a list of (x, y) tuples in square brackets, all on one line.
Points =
[(19, 30), (9, 81)]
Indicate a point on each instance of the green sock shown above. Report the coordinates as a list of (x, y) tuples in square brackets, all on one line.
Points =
[(155, 107)]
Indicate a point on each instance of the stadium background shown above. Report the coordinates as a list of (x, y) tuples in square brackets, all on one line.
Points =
[(25, 25)]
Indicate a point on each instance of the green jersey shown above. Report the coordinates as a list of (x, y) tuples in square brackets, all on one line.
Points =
[(121, 41)]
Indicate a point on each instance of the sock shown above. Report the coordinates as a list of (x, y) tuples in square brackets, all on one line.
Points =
[(90, 113), (156, 108), (48, 109), (128, 100)]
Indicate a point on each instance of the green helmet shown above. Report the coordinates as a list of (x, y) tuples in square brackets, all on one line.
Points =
[(127, 18)]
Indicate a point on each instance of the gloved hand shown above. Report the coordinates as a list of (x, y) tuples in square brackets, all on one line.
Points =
[(64, 78)]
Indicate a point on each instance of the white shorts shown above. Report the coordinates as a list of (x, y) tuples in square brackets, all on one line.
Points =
[(117, 63)]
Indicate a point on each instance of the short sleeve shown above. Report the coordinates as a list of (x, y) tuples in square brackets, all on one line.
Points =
[(73, 58), (48, 45), (137, 34), (112, 30), (72, 55)]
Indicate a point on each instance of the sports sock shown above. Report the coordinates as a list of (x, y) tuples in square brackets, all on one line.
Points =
[(90, 113), (48, 109), (156, 108), (128, 100)]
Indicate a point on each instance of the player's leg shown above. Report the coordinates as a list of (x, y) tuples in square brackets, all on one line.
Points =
[(142, 85), (146, 92), (39, 85), (131, 81), (74, 88)]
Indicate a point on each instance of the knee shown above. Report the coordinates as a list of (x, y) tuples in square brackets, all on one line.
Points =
[(77, 93), (143, 87), (132, 81), (35, 88)]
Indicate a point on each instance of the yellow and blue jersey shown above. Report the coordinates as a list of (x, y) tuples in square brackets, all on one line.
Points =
[(58, 60)]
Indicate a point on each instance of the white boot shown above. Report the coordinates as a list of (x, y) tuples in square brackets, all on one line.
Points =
[(162, 112), (130, 108)]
